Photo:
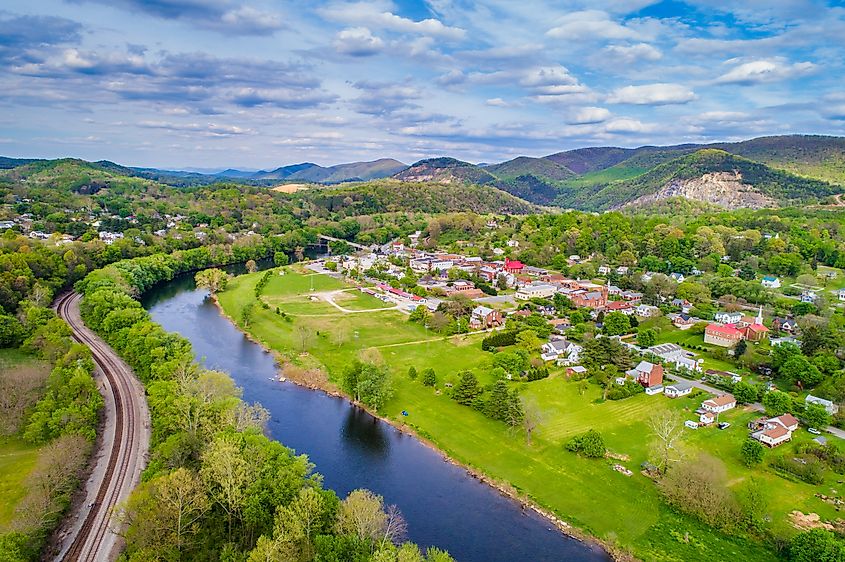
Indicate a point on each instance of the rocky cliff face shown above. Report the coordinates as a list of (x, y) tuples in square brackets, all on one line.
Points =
[(719, 188)]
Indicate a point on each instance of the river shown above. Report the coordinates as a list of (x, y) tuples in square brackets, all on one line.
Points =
[(443, 505)]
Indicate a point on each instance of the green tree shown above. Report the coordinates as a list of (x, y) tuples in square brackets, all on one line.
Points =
[(777, 403), (467, 388), (799, 370), (215, 280), (816, 416), (281, 259), (429, 378), (616, 324), (247, 312), (740, 348), (745, 392), (752, 452), (589, 444), (412, 373), (817, 545), (646, 337)]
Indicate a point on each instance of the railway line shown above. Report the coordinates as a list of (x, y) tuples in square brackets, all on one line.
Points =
[(93, 532)]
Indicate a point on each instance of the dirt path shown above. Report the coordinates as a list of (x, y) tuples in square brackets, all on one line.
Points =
[(329, 298)]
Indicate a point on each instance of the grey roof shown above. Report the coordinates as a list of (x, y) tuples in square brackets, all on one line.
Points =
[(680, 385)]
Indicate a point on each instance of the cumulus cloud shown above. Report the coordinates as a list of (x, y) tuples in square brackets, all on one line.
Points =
[(497, 102), (218, 15), (652, 94), (765, 70), (358, 42), (590, 24), (385, 98), (627, 125), (378, 16), (588, 116), (629, 54), (20, 35)]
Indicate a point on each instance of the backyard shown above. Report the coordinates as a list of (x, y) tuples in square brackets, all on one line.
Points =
[(588, 493)]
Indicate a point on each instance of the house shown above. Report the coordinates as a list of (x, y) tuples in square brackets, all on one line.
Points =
[(673, 353), (841, 294), (483, 317), (647, 311), (604, 269), (647, 374), (683, 321), (647, 276), (512, 244), (576, 370), (770, 282), (784, 325), (728, 317), (706, 418), (589, 295), (828, 405), (560, 325), (622, 270), (535, 291), (808, 296), (678, 389), (654, 389), (633, 296), (614, 290), (682, 304), (776, 431), (513, 266), (677, 277), (562, 351), (719, 404), (624, 307), (723, 335)]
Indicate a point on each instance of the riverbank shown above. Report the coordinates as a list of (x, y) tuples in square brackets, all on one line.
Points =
[(501, 487)]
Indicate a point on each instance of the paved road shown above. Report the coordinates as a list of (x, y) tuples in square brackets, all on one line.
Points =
[(89, 531)]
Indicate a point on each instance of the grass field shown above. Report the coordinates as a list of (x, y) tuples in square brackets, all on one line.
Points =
[(588, 493), (17, 458)]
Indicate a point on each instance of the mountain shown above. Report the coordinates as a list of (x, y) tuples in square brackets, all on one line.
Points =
[(384, 195), (524, 166), (707, 175), (446, 171), (7, 163)]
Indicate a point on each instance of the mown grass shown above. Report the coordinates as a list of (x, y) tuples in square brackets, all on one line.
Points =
[(588, 493)]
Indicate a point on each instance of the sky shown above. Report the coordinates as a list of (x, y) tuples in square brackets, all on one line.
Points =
[(211, 84)]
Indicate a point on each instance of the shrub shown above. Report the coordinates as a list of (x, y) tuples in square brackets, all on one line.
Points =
[(589, 444), (499, 339)]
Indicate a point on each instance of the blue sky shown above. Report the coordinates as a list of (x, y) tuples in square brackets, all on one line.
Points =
[(219, 83)]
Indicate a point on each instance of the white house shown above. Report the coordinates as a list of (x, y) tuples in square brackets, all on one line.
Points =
[(512, 244), (678, 389), (673, 353), (828, 405), (678, 277), (622, 270), (562, 351), (646, 311), (539, 291), (719, 404), (776, 430), (840, 294), (808, 296), (770, 282), (728, 317), (604, 269)]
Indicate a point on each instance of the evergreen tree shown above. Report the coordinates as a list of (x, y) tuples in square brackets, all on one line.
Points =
[(467, 389), (499, 403)]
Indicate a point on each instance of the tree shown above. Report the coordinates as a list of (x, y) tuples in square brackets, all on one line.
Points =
[(280, 259), (429, 378), (528, 340), (251, 266), (412, 373), (467, 388), (752, 452), (226, 475), (782, 353), (816, 416), (215, 280), (532, 417), (590, 444), (667, 428), (616, 324), (420, 315), (740, 348), (744, 392), (247, 312), (362, 515), (699, 487), (816, 545), (304, 337), (646, 337), (777, 403), (799, 370)]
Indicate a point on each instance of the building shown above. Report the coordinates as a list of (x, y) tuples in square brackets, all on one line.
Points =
[(808, 296), (719, 404), (576, 370), (678, 389), (840, 294), (775, 431), (770, 282), (706, 418), (646, 311), (483, 317), (561, 351), (683, 321), (589, 299), (673, 353), (723, 335), (622, 270), (684, 305), (604, 269), (784, 325), (828, 405), (513, 266), (728, 317), (536, 291), (677, 277), (647, 374), (625, 307)]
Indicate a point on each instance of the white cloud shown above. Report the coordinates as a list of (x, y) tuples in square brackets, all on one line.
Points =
[(247, 18), (588, 116), (590, 24), (652, 94), (544, 76), (765, 70), (358, 42), (377, 16), (628, 54), (627, 125), (497, 102)]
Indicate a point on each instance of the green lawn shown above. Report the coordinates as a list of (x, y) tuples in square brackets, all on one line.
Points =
[(587, 493), (17, 458)]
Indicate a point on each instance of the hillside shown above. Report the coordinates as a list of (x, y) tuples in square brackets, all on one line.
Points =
[(73, 175), (525, 166), (710, 176), (397, 196), (445, 170)]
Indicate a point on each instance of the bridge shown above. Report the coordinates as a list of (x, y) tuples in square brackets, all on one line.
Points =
[(353, 244)]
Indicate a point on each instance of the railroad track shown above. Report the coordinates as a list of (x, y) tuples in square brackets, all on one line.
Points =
[(125, 442)]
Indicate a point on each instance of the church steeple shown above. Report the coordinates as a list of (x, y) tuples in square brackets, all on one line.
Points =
[(759, 319)]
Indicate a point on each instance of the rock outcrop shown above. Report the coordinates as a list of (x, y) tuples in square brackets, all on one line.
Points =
[(725, 189)]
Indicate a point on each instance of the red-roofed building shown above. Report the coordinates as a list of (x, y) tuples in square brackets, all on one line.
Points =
[(513, 266), (723, 335)]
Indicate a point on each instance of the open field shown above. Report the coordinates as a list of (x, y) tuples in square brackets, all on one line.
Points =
[(588, 493)]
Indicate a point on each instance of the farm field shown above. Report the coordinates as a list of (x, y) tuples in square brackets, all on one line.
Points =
[(625, 510)]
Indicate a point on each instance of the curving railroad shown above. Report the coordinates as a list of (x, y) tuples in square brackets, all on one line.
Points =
[(92, 531)]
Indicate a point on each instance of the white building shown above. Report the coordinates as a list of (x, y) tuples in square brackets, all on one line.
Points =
[(728, 317), (678, 389), (562, 351), (719, 404), (770, 282), (828, 405), (538, 291), (675, 354)]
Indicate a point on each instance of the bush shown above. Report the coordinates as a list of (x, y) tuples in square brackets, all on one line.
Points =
[(752, 452), (537, 373), (499, 339), (811, 470), (429, 378), (412, 373), (589, 444), (621, 391)]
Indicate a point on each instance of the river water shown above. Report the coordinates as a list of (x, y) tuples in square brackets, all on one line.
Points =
[(442, 504)]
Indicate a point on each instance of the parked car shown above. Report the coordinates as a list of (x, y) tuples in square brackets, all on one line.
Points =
[(724, 425), (814, 431)]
